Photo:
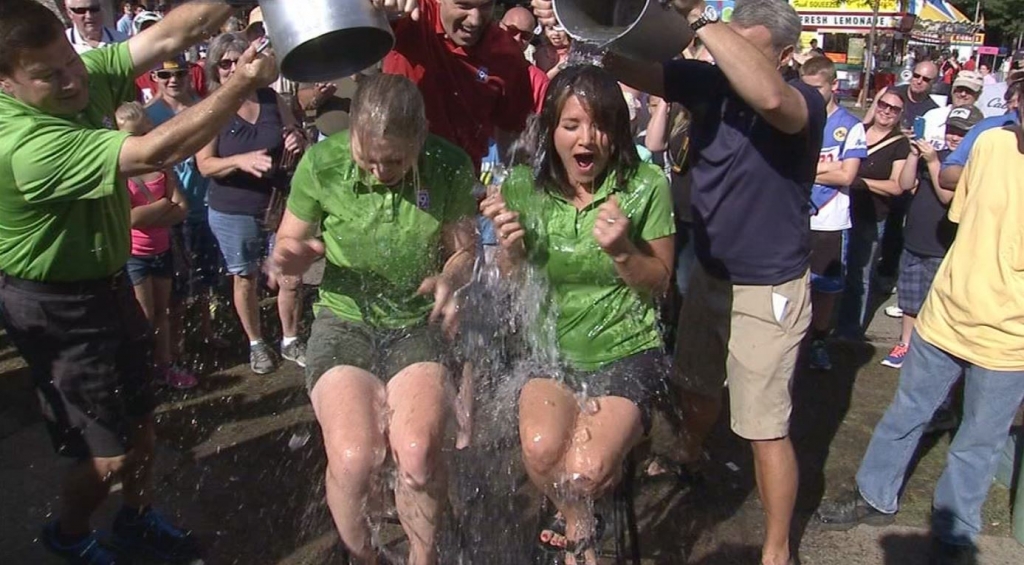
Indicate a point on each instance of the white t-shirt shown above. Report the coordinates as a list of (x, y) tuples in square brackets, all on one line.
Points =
[(844, 138), (935, 126), (109, 36)]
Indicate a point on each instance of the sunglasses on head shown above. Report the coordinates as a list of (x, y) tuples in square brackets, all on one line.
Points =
[(165, 75), (924, 78), (95, 9), (883, 105), (226, 64)]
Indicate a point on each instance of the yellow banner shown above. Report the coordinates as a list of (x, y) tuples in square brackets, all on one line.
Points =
[(884, 6)]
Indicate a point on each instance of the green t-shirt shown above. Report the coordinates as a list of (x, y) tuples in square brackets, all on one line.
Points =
[(599, 318), (64, 211), (381, 241)]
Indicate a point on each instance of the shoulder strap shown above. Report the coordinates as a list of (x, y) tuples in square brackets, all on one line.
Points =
[(883, 144)]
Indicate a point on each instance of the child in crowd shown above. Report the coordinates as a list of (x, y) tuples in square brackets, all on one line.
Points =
[(157, 205)]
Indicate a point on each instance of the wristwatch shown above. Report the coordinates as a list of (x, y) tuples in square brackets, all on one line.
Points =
[(709, 16)]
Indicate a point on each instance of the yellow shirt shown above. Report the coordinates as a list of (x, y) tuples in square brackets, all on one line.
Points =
[(975, 310)]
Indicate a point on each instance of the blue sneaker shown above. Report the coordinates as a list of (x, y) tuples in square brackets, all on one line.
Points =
[(895, 357), (150, 535), (820, 360), (88, 551)]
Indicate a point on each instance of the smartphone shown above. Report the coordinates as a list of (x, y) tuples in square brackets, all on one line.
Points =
[(919, 127)]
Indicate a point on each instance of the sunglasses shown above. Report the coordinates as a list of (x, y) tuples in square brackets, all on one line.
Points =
[(86, 10), (226, 64), (516, 32), (919, 76), (167, 75), (891, 108)]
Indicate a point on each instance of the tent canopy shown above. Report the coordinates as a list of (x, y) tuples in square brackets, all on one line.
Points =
[(939, 11)]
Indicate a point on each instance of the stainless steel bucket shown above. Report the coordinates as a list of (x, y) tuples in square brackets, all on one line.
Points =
[(321, 40), (639, 29)]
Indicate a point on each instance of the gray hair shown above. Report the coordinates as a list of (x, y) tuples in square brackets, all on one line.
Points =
[(778, 16), (220, 46)]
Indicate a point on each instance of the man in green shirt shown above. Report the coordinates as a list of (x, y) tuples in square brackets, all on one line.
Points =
[(64, 240)]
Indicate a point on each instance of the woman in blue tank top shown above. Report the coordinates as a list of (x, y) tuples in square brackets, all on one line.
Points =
[(249, 164)]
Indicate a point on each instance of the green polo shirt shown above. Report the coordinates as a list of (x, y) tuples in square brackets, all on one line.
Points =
[(64, 211), (599, 318), (381, 241)]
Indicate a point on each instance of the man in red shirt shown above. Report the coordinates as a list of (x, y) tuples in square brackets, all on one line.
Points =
[(473, 76), (519, 23), (149, 87)]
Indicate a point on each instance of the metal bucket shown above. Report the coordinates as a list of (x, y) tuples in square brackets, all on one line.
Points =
[(321, 40), (639, 29)]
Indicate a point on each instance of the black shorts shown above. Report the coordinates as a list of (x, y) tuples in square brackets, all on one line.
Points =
[(90, 350), (639, 378), (827, 261)]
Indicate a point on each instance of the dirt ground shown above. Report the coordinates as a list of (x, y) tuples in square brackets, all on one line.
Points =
[(233, 466)]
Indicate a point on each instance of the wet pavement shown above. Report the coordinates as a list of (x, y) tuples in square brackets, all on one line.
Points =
[(234, 466)]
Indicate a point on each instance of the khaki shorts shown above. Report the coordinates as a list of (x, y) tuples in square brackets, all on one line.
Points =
[(334, 342), (750, 334)]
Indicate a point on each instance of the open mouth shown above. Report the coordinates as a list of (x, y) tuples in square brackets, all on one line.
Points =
[(584, 161)]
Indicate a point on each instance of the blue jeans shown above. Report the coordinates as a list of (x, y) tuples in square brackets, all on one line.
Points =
[(863, 248), (991, 400)]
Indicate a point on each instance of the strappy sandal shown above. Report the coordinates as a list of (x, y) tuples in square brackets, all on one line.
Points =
[(578, 549), (551, 530)]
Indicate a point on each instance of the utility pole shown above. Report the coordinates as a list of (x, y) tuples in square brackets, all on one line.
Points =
[(869, 55)]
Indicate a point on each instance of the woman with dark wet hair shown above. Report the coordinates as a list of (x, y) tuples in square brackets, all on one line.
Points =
[(598, 224)]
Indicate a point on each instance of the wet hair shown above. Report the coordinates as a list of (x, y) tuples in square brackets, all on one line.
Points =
[(25, 25), (220, 46), (819, 66), (388, 106), (129, 113), (602, 98), (779, 17)]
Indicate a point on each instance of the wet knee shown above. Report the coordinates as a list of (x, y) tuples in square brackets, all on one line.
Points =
[(353, 463), (591, 476), (542, 452), (416, 458)]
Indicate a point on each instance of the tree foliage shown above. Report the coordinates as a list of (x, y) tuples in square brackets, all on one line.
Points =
[(1004, 19)]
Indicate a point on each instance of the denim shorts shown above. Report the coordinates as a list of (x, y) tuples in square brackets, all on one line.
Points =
[(141, 268), (641, 378), (242, 240)]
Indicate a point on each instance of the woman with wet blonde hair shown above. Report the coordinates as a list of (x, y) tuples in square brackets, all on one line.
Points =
[(396, 208)]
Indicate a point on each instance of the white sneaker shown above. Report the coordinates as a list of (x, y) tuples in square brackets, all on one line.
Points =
[(893, 311)]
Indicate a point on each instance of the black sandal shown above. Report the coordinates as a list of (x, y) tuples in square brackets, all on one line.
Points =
[(551, 529)]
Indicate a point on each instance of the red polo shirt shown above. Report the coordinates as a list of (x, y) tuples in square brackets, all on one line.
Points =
[(148, 87), (468, 91)]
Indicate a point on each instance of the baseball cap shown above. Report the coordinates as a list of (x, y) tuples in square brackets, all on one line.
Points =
[(176, 64), (145, 20), (963, 118), (255, 16), (969, 79)]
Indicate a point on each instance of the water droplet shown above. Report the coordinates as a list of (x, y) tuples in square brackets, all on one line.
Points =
[(298, 440)]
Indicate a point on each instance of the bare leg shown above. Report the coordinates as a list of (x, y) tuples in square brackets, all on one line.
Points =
[(421, 405), (908, 322), (464, 404), (247, 306), (822, 306), (349, 404), (699, 414), (144, 295), (592, 449), (85, 487), (777, 479), (161, 289), (289, 307), (137, 474)]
